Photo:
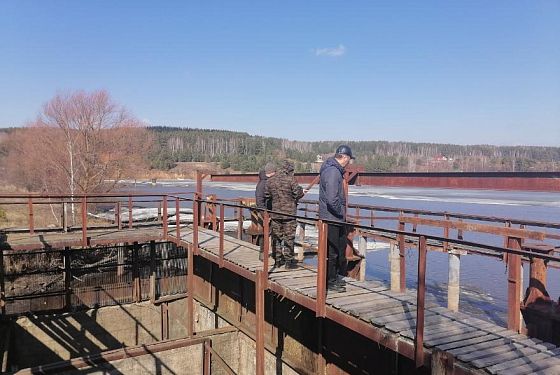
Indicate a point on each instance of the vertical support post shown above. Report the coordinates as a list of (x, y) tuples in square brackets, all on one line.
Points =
[(177, 218), (362, 250), (240, 221), (153, 295), (199, 178), (402, 254), (190, 291), (394, 261), (420, 300), (84, 221), (221, 249), (129, 212), (453, 280), (196, 222), (118, 215), (259, 307), (446, 232), (64, 217), (136, 272), (321, 270), (321, 363), (266, 242), (301, 250), (165, 222), (31, 221), (2, 285), (514, 285), (159, 212), (67, 278), (206, 357), (120, 260), (164, 321)]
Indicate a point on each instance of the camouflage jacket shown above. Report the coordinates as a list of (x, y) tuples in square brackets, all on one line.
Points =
[(284, 191)]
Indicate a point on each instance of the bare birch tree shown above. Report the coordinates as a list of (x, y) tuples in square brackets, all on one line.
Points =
[(81, 143)]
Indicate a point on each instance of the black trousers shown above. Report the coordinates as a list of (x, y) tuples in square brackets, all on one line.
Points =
[(336, 246)]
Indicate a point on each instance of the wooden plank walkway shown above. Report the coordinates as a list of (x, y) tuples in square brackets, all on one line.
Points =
[(58, 239), (480, 346)]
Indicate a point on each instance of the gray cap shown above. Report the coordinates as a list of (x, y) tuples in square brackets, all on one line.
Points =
[(270, 167)]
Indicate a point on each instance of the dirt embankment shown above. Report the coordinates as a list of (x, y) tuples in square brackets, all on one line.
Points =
[(188, 170)]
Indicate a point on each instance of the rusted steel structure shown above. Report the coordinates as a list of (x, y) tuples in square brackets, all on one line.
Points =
[(528, 181), (211, 213)]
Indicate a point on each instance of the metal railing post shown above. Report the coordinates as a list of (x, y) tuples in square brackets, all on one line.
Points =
[(165, 219), (221, 249), (190, 291), (31, 221), (259, 307), (84, 221), (402, 254), (118, 215), (514, 285), (129, 212), (240, 222), (67, 279), (177, 217), (196, 222), (266, 242), (321, 270), (2, 284), (420, 303)]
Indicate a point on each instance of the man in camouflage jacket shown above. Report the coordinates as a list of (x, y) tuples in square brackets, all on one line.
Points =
[(284, 192)]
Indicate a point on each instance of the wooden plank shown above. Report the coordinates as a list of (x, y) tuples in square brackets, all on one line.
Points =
[(461, 337), (293, 283), (411, 324), (487, 352), (444, 329), (534, 367), (349, 292), (503, 357), (505, 366), (485, 343), (466, 342), (289, 274), (339, 302)]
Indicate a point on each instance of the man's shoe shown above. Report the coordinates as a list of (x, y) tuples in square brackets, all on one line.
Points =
[(339, 281), (279, 262), (334, 287)]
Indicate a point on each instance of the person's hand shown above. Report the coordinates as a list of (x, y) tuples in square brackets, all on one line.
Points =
[(305, 191)]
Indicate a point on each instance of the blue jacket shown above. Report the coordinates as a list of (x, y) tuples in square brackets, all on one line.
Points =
[(332, 200)]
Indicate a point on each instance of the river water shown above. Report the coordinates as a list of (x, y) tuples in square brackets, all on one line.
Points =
[(483, 279)]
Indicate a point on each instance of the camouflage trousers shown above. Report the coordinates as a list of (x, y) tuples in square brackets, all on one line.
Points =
[(283, 236)]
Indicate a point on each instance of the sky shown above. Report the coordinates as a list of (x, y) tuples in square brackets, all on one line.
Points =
[(463, 72)]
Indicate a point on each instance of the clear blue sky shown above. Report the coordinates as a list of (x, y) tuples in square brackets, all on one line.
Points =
[(447, 71)]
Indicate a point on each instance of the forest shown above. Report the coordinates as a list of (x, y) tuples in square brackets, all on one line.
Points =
[(244, 152)]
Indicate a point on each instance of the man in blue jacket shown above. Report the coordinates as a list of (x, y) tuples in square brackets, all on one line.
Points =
[(332, 206)]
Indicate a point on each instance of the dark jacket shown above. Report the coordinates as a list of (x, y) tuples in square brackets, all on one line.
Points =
[(284, 191), (332, 200), (262, 201)]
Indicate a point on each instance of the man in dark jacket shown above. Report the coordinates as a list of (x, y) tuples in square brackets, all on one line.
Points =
[(332, 206), (262, 201), (285, 193)]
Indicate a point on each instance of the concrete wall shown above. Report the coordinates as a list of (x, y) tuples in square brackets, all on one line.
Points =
[(40, 339), (187, 360)]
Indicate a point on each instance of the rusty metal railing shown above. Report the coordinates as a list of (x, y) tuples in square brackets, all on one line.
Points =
[(514, 252)]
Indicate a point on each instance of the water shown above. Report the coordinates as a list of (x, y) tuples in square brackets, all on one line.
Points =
[(483, 279)]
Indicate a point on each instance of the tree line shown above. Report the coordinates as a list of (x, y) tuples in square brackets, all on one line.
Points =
[(85, 142), (244, 152)]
